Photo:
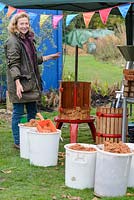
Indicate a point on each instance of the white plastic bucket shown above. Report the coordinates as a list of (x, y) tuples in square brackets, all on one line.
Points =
[(80, 167), (111, 174), (24, 143), (131, 172), (43, 148)]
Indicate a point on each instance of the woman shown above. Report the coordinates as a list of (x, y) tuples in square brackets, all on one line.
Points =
[(23, 77)]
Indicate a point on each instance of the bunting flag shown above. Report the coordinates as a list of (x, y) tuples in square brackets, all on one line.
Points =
[(32, 17), (69, 18), (56, 19), (124, 9), (43, 19), (10, 11), (2, 6), (19, 11), (104, 14), (87, 17)]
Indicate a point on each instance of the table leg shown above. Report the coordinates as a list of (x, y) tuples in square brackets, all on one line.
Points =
[(93, 130), (59, 125), (73, 133)]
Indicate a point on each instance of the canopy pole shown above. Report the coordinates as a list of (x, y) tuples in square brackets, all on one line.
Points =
[(76, 63)]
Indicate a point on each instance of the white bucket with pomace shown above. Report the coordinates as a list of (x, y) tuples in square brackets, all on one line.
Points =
[(24, 141), (111, 174), (80, 167), (131, 172), (43, 148)]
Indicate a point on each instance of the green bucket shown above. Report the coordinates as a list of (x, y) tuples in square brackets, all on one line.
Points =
[(23, 119)]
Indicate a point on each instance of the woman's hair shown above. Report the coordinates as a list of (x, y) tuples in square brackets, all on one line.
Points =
[(12, 27)]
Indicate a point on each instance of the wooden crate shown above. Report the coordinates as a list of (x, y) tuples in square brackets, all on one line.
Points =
[(74, 100), (108, 124), (128, 74), (128, 88)]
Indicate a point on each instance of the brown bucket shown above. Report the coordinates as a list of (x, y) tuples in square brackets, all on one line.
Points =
[(108, 124)]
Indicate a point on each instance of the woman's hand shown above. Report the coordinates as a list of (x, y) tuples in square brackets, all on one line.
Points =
[(55, 55), (19, 88), (51, 56)]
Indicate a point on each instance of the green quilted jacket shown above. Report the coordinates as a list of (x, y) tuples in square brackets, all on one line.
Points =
[(20, 67)]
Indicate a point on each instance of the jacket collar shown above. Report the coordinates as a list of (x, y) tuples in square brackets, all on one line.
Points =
[(29, 35)]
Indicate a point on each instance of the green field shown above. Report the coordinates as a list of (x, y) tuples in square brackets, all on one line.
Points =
[(90, 69)]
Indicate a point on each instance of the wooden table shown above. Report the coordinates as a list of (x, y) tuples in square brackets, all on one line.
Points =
[(74, 126)]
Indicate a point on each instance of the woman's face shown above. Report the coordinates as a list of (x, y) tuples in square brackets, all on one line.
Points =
[(23, 25)]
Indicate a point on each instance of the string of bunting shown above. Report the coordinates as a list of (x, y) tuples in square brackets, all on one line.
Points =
[(87, 16)]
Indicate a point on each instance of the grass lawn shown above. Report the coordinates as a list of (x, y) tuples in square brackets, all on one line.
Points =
[(22, 181)]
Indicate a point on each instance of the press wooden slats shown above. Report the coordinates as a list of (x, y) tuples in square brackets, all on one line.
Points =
[(112, 130), (75, 99), (108, 124)]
